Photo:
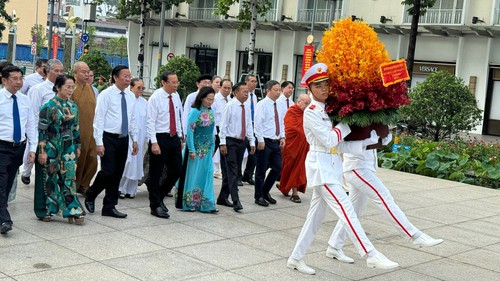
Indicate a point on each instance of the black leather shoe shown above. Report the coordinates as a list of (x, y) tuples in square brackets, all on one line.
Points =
[(90, 205), (250, 181), (159, 212), (6, 227), (240, 183), (262, 202), (25, 180), (224, 202), (237, 206), (163, 206), (269, 199), (113, 213)]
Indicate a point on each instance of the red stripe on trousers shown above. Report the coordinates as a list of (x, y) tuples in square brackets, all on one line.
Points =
[(339, 134), (382, 199), (346, 217)]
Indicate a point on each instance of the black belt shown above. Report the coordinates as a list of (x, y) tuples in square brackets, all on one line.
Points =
[(166, 135), (118, 136), (234, 139), (12, 144), (272, 140)]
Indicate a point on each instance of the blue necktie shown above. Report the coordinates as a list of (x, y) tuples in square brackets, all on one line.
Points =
[(17, 121), (124, 116), (251, 105)]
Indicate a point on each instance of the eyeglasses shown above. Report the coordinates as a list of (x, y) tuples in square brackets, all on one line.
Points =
[(69, 87), (16, 79), (141, 88)]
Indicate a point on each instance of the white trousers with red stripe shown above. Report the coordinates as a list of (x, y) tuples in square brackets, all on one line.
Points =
[(366, 185), (333, 196)]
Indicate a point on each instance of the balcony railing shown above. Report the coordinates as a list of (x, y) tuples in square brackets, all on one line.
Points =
[(203, 14), (322, 15), (269, 16), (439, 16)]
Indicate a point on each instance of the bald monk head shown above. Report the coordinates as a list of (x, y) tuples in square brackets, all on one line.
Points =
[(303, 101), (82, 71)]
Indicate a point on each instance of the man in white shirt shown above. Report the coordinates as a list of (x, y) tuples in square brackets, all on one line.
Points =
[(35, 78), (17, 126), (270, 134), (202, 81), (220, 101), (236, 132), (164, 130), (114, 121), (38, 96), (247, 175), (285, 100)]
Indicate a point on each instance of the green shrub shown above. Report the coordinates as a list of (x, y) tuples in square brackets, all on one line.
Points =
[(441, 107), (98, 63), (187, 71)]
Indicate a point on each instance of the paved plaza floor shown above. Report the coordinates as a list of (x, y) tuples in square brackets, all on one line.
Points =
[(255, 244)]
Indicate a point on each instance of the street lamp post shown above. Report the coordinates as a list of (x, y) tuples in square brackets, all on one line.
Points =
[(12, 39), (51, 25), (162, 29)]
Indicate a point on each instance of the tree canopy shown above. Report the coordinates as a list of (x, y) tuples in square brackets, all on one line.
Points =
[(4, 15), (245, 14)]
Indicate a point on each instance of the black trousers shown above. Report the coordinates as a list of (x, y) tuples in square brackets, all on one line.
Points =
[(269, 157), (112, 166), (171, 157), (251, 163), (230, 166), (10, 159)]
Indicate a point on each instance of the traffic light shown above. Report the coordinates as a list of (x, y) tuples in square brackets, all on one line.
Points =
[(86, 49)]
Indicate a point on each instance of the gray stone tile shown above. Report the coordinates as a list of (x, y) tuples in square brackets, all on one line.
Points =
[(89, 271), (445, 213), (135, 218), (173, 235), (21, 211), (457, 194), (277, 270), (227, 254), (18, 237), (59, 228), (445, 269), (111, 245), (226, 276), (273, 219), (276, 242), (481, 225), (464, 236), (402, 274), (488, 259), (22, 259), (162, 265), (232, 226)]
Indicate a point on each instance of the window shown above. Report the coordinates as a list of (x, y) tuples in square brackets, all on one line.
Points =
[(203, 10), (443, 12), (323, 11)]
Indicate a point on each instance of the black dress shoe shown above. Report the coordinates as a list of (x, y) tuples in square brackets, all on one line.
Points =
[(90, 205), (251, 182), (269, 199), (224, 202), (163, 206), (240, 183), (159, 212), (113, 213), (237, 206), (25, 180), (262, 202), (6, 227)]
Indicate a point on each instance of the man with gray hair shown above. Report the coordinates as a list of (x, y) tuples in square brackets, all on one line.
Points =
[(38, 95)]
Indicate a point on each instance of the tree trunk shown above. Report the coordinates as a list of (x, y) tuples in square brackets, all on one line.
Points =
[(413, 39), (253, 30), (140, 57)]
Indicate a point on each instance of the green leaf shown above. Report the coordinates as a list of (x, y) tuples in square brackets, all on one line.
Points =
[(432, 164), (494, 174), (387, 165), (458, 176)]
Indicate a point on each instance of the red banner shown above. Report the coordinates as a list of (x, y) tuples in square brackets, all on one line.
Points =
[(394, 72), (55, 45), (307, 60)]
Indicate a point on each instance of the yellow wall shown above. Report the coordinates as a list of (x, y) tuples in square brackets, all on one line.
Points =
[(26, 12)]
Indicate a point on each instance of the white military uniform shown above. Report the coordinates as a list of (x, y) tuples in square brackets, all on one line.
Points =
[(324, 171), (359, 171)]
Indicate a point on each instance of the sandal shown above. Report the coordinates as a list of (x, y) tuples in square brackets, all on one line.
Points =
[(295, 199)]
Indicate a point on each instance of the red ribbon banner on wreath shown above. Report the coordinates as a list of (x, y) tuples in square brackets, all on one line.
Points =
[(394, 72)]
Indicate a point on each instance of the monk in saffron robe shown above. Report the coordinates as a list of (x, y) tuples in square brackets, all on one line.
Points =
[(293, 173), (85, 99)]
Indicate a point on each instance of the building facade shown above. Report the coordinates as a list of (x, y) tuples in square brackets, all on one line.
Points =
[(458, 36)]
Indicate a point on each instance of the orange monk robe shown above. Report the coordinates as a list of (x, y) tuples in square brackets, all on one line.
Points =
[(293, 170), (87, 162)]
